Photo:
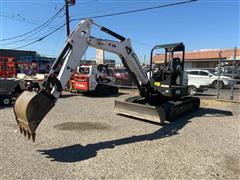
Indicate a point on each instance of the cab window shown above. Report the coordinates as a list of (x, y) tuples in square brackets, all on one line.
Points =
[(84, 70)]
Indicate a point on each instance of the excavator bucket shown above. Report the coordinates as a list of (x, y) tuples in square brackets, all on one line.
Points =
[(30, 108), (140, 111)]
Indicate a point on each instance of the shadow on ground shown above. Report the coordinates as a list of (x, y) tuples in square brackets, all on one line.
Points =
[(81, 126), (94, 95), (4, 107), (77, 152), (204, 94), (67, 95)]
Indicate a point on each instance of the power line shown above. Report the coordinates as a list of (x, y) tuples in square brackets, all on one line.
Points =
[(40, 39), (17, 19), (26, 21), (39, 27), (26, 38), (138, 10), (108, 15), (98, 11)]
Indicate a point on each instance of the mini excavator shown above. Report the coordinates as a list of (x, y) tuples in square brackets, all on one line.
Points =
[(162, 96)]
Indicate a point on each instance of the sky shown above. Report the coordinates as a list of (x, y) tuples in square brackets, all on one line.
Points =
[(204, 24)]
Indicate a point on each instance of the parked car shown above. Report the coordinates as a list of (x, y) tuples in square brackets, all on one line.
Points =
[(228, 71), (194, 85), (121, 75), (209, 77)]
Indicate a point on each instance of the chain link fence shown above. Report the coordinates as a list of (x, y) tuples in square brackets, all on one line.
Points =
[(229, 93), (228, 84)]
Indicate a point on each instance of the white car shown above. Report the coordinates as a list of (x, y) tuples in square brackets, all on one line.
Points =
[(208, 77), (193, 85)]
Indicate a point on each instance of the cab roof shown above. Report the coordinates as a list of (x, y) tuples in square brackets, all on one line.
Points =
[(171, 47)]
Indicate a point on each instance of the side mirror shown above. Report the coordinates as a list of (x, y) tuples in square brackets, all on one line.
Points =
[(210, 75)]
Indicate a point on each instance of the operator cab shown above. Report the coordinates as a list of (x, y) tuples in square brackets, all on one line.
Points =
[(168, 79)]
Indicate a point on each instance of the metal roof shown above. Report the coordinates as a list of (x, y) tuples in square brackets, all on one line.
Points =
[(171, 47)]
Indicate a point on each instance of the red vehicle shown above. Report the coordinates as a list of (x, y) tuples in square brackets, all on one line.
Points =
[(122, 77), (80, 82), (92, 78)]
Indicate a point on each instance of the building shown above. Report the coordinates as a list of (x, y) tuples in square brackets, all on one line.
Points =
[(204, 58), (88, 62), (110, 62), (18, 55), (24, 56), (16, 61), (101, 59)]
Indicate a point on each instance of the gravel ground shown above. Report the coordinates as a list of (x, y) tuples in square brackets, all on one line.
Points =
[(225, 93), (82, 138)]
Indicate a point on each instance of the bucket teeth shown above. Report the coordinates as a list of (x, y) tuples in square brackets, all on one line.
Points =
[(24, 132), (33, 137), (27, 133)]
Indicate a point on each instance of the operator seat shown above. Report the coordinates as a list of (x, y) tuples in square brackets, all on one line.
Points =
[(175, 68)]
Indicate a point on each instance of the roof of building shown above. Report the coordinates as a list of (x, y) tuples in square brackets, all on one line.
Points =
[(202, 55), (12, 52)]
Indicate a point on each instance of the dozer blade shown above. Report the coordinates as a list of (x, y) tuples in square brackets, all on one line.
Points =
[(141, 111), (30, 108)]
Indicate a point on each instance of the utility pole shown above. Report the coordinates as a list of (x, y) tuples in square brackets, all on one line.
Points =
[(72, 2)]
